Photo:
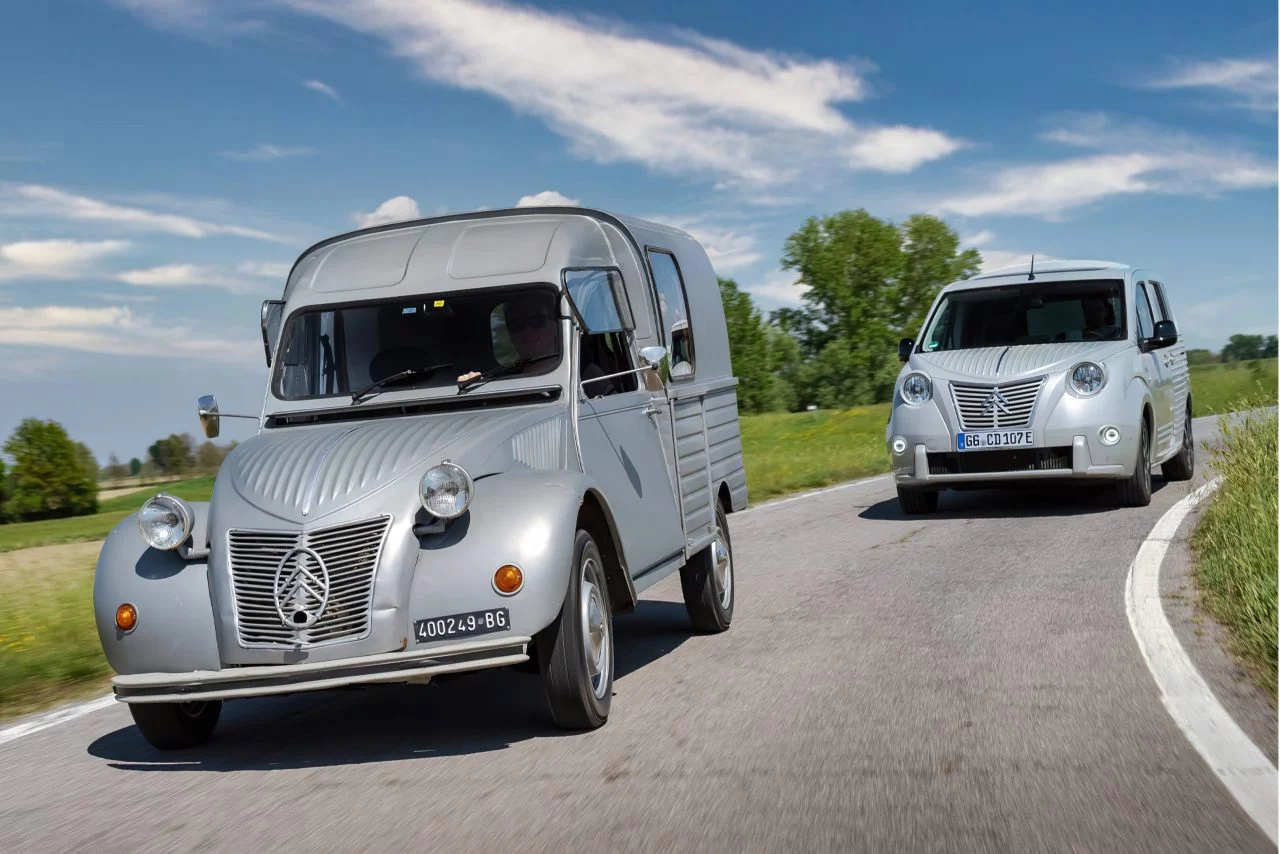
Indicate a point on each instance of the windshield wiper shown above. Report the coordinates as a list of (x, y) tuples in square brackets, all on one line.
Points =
[(501, 370), (369, 392)]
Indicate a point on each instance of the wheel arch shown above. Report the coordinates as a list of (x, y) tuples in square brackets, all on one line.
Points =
[(595, 516)]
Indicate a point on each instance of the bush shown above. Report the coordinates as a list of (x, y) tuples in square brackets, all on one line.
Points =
[(51, 476)]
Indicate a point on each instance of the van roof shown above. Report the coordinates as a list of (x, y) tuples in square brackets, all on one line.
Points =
[(1051, 270)]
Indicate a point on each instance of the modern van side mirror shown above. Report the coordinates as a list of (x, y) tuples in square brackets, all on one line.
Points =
[(904, 349), (1165, 335)]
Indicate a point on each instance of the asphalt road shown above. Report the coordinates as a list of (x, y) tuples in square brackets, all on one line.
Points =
[(966, 681)]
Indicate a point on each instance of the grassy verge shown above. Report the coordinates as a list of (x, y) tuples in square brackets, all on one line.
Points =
[(789, 452), (1235, 542), (1218, 388), (76, 529)]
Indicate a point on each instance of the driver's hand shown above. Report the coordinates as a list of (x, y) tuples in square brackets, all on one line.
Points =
[(469, 375)]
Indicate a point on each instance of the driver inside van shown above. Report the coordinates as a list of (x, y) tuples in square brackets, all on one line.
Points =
[(1099, 318)]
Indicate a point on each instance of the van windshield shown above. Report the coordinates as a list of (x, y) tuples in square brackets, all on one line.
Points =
[(1049, 313), (330, 351)]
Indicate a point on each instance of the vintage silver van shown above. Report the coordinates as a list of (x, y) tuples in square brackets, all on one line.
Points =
[(1070, 371), (483, 435)]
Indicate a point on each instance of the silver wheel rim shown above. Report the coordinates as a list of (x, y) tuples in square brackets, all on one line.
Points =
[(722, 570), (595, 630)]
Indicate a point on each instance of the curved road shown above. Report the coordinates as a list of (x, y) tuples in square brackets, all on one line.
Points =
[(965, 681)]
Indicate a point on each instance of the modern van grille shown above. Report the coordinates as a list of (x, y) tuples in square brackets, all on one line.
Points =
[(350, 554), (977, 405)]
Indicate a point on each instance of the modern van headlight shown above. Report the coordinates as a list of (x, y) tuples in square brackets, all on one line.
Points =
[(446, 490), (1087, 379), (165, 522), (916, 388)]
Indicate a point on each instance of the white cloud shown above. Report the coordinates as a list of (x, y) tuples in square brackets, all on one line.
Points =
[(267, 151), (546, 198), (1252, 81), (54, 259), (681, 104), (322, 88), (37, 200), (116, 330), (780, 286), (981, 238), (900, 148), (266, 269), (728, 250), (394, 209), (187, 276), (995, 259)]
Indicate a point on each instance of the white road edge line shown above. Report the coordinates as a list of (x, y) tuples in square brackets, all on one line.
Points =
[(1239, 764), (70, 713), (55, 717)]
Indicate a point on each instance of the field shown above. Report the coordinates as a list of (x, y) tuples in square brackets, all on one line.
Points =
[(1235, 544), (49, 649)]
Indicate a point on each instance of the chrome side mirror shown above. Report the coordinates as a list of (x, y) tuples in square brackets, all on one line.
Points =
[(207, 409), (652, 356)]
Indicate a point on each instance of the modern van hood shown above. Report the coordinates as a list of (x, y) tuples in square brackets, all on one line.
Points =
[(1000, 363)]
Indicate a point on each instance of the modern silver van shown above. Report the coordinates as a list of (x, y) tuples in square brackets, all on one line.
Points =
[(482, 436), (1068, 371)]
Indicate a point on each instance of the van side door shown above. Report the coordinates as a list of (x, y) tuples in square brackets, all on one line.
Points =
[(1175, 360), (1159, 374)]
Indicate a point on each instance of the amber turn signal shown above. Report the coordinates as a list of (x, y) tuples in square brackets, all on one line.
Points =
[(126, 617), (508, 579)]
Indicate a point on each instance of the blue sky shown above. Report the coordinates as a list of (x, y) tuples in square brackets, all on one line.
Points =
[(162, 162)]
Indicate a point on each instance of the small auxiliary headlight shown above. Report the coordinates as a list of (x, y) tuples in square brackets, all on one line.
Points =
[(165, 522), (446, 490), (899, 445), (126, 617), (1109, 435)]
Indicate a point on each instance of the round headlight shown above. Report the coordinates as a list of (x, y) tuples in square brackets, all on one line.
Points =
[(916, 388), (165, 522), (446, 491), (1087, 379)]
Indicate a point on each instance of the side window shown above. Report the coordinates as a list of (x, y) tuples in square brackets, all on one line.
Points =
[(1161, 306), (1146, 323), (673, 311), (603, 354), (1153, 297)]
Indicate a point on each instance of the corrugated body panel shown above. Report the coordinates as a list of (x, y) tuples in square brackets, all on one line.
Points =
[(994, 362), (724, 445), (692, 465), (1031, 357), (979, 363), (538, 447)]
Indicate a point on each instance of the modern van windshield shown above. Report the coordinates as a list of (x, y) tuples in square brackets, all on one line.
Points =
[(1048, 313), (432, 340)]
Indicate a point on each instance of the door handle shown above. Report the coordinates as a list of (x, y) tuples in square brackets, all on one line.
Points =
[(651, 411)]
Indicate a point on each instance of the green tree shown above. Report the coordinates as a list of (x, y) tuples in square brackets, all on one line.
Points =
[(209, 457), (174, 454), (135, 467), (933, 259), (115, 470), (4, 493), (1242, 348), (1269, 347), (49, 476), (748, 349), (88, 462), (1200, 357)]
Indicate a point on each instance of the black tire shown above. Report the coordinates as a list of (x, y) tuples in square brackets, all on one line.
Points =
[(708, 594), (175, 726), (1182, 466), (1136, 490), (916, 501), (578, 698)]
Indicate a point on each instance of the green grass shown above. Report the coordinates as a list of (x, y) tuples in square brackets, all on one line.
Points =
[(1219, 387), (788, 452), (49, 649), (76, 529), (1235, 542)]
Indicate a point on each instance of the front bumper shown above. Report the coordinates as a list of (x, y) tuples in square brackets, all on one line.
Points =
[(262, 680)]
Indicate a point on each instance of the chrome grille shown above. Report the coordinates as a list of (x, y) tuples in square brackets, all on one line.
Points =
[(350, 554), (972, 400)]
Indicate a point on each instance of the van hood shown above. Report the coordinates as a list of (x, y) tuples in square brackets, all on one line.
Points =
[(1001, 363), (304, 473)]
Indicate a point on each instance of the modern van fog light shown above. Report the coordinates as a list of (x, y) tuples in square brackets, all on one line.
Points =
[(165, 522), (899, 445), (1087, 379), (446, 490), (1109, 435), (916, 388)]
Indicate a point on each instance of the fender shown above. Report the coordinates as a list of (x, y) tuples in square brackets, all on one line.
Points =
[(175, 630)]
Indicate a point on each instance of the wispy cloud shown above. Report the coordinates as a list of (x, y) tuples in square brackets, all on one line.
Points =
[(978, 239), (780, 287), (191, 276), (683, 103), (394, 209), (728, 249), (322, 88), (37, 200), (54, 259), (117, 330), (1131, 160), (1252, 82), (206, 20), (266, 269), (267, 151), (547, 198)]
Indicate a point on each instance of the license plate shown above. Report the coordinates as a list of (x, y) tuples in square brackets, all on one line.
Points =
[(462, 625), (988, 440)]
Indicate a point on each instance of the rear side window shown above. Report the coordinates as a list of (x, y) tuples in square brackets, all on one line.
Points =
[(1146, 323), (673, 310)]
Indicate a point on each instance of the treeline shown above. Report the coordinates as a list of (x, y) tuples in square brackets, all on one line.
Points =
[(49, 475), (1240, 348)]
